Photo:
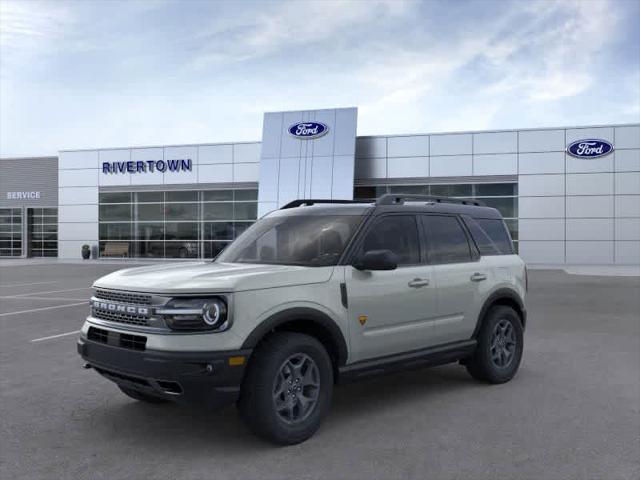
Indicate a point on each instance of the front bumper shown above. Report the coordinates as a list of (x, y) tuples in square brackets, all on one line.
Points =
[(208, 378)]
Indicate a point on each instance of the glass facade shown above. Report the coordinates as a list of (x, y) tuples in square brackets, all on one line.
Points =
[(174, 224), (10, 232), (503, 196), (42, 228)]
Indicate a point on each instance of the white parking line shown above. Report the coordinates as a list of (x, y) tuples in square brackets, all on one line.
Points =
[(86, 302), (55, 336), (26, 284), (52, 291), (13, 297)]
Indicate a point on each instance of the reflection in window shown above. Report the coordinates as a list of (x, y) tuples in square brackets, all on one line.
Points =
[(182, 224)]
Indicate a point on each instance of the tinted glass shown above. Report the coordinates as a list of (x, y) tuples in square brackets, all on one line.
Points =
[(244, 195), (149, 212), (398, 233), (115, 213), (217, 195), (181, 211), (508, 207), (497, 232), (312, 241), (181, 196), (217, 211), (246, 211), (368, 193), (446, 240), (410, 189), (150, 196), (496, 189), (118, 197)]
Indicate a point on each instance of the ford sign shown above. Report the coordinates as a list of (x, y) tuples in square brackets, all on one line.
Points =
[(591, 148), (308, 130)]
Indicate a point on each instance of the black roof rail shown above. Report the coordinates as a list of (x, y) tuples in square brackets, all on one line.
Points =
[(400, 199), (300, 202)]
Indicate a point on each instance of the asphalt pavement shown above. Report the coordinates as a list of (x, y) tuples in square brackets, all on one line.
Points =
[(573, 410)]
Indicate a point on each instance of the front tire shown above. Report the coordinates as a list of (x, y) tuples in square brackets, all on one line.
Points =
[(500, 345), (287, 389)]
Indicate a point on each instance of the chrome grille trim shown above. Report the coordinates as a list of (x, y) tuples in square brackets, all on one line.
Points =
[(120, 317), (123, 297)]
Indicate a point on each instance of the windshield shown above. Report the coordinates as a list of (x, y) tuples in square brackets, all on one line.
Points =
[(312, 240)]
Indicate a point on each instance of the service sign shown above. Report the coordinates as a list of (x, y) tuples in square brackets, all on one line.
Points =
[(308, 130), (589, 148)]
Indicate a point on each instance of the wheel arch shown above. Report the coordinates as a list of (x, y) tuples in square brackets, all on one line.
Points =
[(304, 320), (503, 296)]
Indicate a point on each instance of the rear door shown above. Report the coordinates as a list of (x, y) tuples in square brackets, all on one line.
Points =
[(460, 276), (391, 311)]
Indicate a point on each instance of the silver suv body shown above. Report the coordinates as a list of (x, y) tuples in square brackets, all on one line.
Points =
[(314, 294)]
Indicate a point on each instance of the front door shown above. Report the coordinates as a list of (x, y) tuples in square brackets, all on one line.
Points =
[(391, 311)]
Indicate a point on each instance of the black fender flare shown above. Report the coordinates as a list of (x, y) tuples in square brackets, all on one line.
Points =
[(502, 295), (301, 314)]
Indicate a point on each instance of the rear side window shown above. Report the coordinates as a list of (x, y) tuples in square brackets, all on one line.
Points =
[(446, 240), (398, 233), (491, 236)]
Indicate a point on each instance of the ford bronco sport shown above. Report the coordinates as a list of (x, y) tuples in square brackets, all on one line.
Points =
[(313, 294)]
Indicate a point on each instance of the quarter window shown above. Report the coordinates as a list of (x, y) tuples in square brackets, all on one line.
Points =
[(398, 233), (490, 236), (446, 240)]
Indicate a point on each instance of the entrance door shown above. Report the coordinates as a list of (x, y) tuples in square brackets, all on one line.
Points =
[(391, 311), (42, 232)]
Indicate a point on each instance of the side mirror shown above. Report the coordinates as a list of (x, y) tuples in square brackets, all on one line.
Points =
[(377, 260)]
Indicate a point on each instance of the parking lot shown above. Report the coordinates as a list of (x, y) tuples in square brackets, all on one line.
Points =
[(573, 411)]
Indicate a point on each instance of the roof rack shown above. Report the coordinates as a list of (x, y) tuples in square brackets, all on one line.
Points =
[(400, 199), (308, 202)]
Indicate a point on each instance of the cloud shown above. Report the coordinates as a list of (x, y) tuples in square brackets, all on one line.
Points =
[(28, 27), (291, 26)]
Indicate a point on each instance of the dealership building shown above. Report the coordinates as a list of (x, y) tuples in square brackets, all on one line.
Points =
[(569, 195)]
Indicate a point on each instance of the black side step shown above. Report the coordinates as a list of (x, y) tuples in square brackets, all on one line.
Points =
[(428, 357)]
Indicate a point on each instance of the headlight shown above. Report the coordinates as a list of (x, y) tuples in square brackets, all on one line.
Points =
[(196, 314)]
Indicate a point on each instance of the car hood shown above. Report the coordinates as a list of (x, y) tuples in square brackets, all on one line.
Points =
[(209, 277)]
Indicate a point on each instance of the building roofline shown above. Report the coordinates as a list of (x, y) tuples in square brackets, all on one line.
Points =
[(208, 144), (418, 134), (43, 157), (503, 130)]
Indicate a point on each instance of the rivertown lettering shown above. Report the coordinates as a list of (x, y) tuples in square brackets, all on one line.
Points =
[(144, 166)]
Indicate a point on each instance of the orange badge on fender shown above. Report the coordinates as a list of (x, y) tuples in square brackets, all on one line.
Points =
[(362, 319)]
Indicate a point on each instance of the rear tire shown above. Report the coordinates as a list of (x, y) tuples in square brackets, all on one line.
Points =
[(142, 397), (287, 389), (500, 345)]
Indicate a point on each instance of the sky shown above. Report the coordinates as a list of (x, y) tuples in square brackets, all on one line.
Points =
[(86, 74)]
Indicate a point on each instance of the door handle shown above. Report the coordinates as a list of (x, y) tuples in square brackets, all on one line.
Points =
[(419, 282), (478, 277)]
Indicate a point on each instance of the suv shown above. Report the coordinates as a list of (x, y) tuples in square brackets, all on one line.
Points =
[(316, 293)]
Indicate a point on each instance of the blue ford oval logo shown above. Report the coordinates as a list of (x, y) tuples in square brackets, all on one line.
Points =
[(308, 130), (590, 148)]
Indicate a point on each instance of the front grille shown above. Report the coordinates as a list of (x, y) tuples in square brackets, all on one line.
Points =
[(123, 297), (124, 340), (98, 335), (133, 342), (120, 317)]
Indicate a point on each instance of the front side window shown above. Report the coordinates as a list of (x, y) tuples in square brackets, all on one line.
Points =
[(398, 233), (446, 240), (312, 240)]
